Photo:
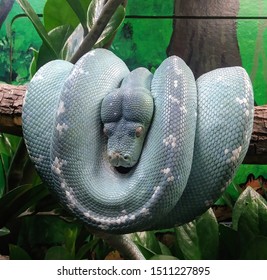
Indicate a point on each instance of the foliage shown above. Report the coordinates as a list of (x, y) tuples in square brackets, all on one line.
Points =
[(62, 41), (17, 38), (32, 223), (204, 238)]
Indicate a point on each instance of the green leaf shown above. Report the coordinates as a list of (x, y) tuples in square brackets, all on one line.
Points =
[(256, 249), (146, 252), (20, 167), (58, 36), (163, 257), (199, 239), (8, 144), (4, 231), (86, 248), (72, 43), (152, 242), (17, 253), (70, 240), (164, 249), (58, 253), (148, 240), (250, 215), (20, 199), (4, 163), (57, 13), (33, 65), (26, 7), (229, 243), (49, 230), (79, 11), (93, 13)]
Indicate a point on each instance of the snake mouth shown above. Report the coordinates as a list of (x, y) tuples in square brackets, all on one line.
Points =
[(123, 170), (120, 163)]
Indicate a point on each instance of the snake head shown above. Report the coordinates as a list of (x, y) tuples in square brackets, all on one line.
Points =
[(126, 113)]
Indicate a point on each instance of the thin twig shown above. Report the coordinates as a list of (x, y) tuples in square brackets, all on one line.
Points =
[(97, 29)]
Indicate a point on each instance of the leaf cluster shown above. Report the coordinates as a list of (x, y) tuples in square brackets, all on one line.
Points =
[(32, 223), (204, 238), (67, 23)]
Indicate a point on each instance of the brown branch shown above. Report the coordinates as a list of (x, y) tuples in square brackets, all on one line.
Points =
[(11, 101), (257, 152)]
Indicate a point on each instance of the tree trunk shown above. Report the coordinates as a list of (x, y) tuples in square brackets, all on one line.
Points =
[(203, 39), (5, 8), (11, 102)]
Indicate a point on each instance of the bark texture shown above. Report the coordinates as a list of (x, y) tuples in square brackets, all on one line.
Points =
[(11, 101), (204, 37)]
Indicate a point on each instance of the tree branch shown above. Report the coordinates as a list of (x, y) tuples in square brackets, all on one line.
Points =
[(11, 102), (97, 29)]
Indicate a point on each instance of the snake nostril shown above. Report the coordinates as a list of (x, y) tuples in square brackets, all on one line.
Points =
[(113, 156)]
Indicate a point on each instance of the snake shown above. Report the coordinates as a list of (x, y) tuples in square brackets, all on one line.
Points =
[(128, 151)]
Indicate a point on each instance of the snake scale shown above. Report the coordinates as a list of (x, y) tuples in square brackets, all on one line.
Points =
[(132, 151)]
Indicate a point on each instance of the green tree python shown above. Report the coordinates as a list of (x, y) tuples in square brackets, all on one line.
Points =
[(133, 151)]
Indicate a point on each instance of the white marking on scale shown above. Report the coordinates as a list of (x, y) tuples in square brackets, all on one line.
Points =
[(61, 127), (57, 165), (241, 100), (174, 99), (86, 214), (37, 77), (61, 108), (170, 141), (63, 184), (183, 109), (170, 179), (165, 170), (81, 71), (144, 211), (236, 153), (132, 217)]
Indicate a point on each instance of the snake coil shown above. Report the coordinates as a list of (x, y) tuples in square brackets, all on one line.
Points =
[(198, 136)]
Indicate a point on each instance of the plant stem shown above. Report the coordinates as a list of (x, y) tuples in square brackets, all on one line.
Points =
[(92, 37)]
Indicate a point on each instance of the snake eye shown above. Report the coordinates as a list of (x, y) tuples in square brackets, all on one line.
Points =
[(139, 131)]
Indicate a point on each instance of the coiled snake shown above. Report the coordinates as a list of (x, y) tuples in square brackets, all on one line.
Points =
[(131, 151)]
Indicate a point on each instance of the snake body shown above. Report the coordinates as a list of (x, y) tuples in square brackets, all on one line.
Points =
[(197, 134)]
